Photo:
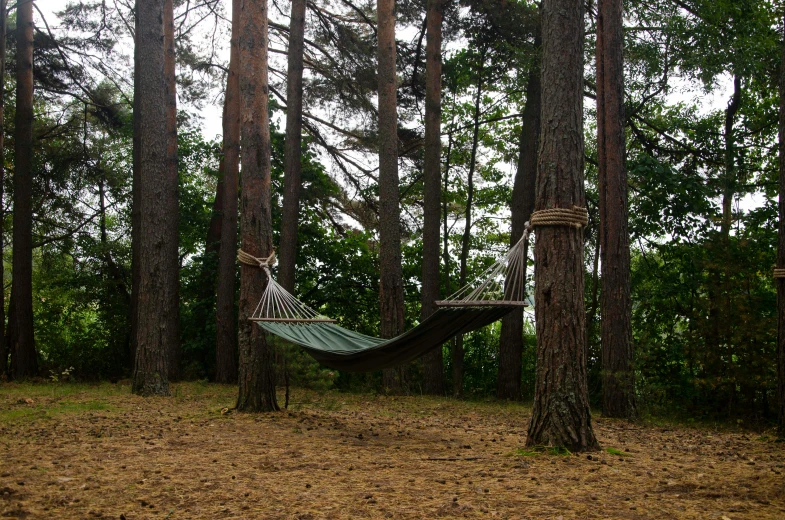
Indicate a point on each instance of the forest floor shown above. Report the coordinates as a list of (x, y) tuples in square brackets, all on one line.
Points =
[(74, 451)]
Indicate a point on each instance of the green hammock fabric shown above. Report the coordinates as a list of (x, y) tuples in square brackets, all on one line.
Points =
[(342, 349)]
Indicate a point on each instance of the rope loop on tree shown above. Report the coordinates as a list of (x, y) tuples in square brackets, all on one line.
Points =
[(253, 261), (576, 217), (779, 272)]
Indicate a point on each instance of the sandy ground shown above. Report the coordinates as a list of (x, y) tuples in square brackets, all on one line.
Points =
[(98, 452)]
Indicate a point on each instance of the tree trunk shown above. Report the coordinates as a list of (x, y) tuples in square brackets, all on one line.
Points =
[(170, 196), (561, 415), (508, 385), (390, 270), (3, 344), (433, 364), (212, 244), (226, 332), (780, 282), (292, 159), (457, 351), (23, 357), (618, 377), (256, 369), (156, 317)]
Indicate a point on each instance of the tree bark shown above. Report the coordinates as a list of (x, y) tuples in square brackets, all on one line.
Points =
[(433, 364), (508, 385), (561, 415), (171, 196), (618, 376), (457, 351), (226, 332), (3, 344), (780, 282), (256, 391), (23, 356), (156, 317), (390, 270), (292, 160), (212, 243)]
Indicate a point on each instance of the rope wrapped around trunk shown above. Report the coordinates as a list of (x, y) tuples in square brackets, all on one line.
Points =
[(779, 272), (576, 217), (253, 261)]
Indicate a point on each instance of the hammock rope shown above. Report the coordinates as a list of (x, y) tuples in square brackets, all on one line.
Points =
[(779, 272)]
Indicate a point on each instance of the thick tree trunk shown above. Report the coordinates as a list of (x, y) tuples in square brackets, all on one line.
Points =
[(3, 344), (156, 317), (508, 385), (23, 357), (136, 203), (618, 377), (226, 331), (457, 350), (390, 270), (256, 369), (170, 197), (292, 164), (433, 364), (561, 415), (780, 282)]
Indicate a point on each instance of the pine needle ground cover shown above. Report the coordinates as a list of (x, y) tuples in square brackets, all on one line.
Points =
[(71, 451)]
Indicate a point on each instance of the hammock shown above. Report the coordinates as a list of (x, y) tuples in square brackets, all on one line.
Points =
[(500, 289)]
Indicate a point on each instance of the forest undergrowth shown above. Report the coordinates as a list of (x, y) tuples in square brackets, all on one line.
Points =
[(78, 451)]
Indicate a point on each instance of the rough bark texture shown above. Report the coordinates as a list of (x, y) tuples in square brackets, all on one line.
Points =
[(256, 369), (3, 344), (780, 282), (156, 320), (618, 378), (390, 271), (508, 384), (292, 165), (226, 330), (170, 197), (433, 364), (135, 204), (23, 357), (560, 414)]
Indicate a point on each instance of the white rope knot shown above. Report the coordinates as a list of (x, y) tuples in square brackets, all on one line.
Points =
[(253, 261), (779, 272), (576, 217)]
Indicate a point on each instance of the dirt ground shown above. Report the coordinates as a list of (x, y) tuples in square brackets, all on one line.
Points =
[(72, 451)]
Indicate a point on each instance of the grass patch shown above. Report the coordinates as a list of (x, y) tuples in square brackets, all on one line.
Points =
[(618, 453), (534, 451)]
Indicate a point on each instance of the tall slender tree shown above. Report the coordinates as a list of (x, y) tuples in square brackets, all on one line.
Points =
[(780, 280), (256, 370), (170, 194), (390, 270), (3, 344), (457, 350), (433, 364), (618, 393), (23, 357), (226, 330), (561, 415), (508, 384), (157, 257), (292, 159)]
